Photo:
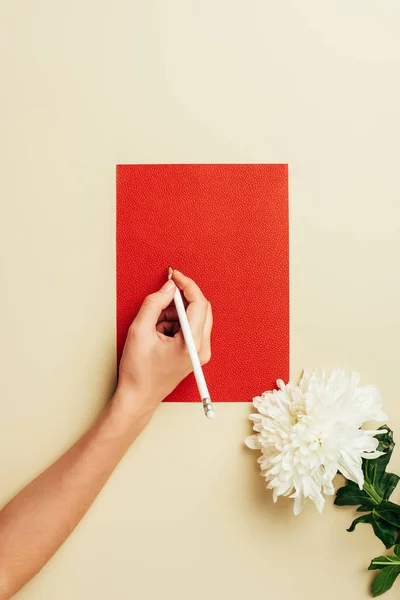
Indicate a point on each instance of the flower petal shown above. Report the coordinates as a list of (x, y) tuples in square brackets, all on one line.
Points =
[(252, 442)]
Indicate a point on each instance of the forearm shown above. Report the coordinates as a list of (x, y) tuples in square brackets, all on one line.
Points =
[(38, 520)]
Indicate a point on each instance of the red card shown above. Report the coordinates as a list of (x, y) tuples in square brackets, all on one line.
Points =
[(226, 226)]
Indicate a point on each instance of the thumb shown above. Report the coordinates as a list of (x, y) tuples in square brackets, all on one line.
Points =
[(154, 303)]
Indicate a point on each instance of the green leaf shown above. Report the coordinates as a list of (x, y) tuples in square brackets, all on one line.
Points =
[(388, 511), (378, 485), (384, 516), (384, 580), (351, 495), (383, 561), (386, 523), (386, 532), (374, 468), (386, 442), (389, 567), (391, 481), (362, 519), (376, 478), (366, 507)]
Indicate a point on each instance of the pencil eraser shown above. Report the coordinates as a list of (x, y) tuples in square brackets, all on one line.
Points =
[(210, 414)]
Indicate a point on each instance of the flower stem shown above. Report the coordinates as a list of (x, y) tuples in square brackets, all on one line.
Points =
[(372, 493)]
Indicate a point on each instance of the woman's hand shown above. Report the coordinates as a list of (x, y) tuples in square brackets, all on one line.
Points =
[(155, 358), (37, 521)]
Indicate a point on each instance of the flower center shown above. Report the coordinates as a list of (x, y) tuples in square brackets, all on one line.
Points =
[(297, 411)]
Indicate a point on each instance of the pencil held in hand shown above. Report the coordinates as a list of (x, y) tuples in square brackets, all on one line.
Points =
[(191, 346)]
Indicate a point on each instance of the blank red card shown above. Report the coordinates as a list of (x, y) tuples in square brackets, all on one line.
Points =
[(225, 226)]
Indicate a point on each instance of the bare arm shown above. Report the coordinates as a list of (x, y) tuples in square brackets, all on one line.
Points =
[(37, 521)]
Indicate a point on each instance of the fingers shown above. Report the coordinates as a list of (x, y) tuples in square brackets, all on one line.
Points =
[(154, 304), (166, 327), (197, 308), (205, 351), (208, 324), (190, 289), (169, 314), (159, 312)]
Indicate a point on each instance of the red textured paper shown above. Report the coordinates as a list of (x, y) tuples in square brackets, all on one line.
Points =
[(226, 226)]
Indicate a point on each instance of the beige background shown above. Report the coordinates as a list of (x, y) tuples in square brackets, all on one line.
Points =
[(86, 84)]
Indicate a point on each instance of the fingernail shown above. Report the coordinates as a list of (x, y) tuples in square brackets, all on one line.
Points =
[(168, 286)]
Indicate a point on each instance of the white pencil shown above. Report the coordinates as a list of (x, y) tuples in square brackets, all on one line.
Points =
[(194, 357)]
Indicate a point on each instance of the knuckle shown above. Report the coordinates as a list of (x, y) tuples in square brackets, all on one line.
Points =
[(188, 280), (149, 300), (189, 288), (193, 288)]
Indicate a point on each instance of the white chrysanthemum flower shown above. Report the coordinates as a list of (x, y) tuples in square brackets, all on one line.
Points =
[(307, 433)]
